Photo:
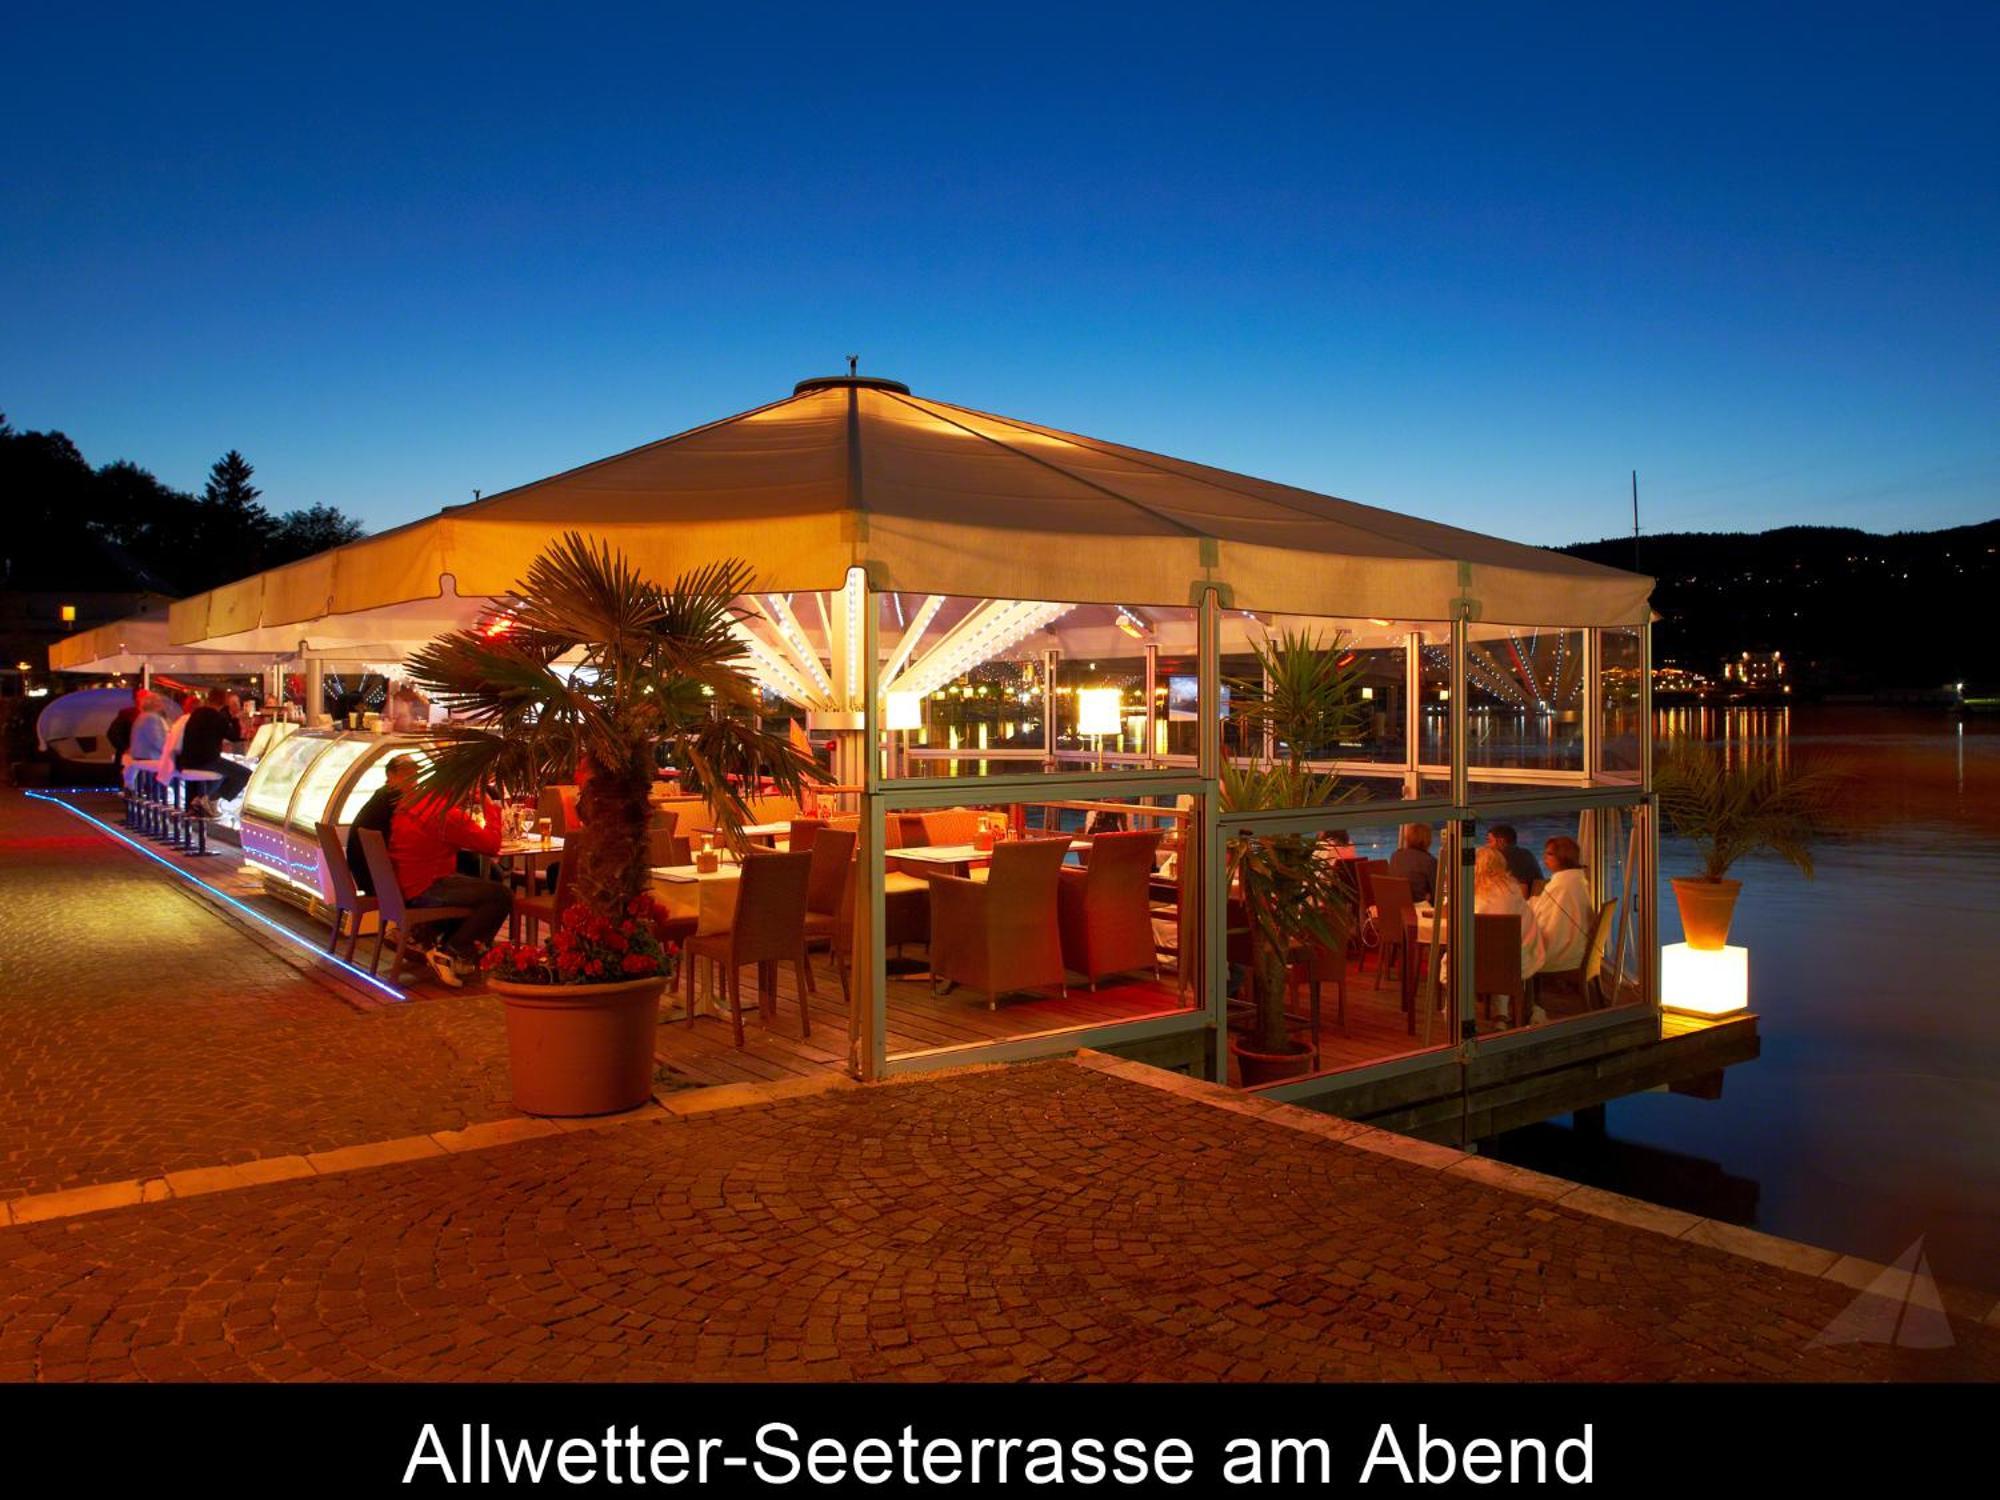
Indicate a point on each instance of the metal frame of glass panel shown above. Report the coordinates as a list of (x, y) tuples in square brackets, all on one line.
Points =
[(1149, 775)]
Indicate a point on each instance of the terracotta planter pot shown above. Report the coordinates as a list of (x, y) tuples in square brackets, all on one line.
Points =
[(1706, 909), (1269, 1067), (581, 1049)]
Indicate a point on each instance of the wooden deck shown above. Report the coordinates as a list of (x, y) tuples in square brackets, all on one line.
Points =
[(775, 1046), (1375, 1028)]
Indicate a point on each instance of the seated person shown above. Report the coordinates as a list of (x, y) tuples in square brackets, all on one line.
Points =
[(409, 711), (120, 732), (1414, 862), (425, 837), (1520, 863), (1495, 892), (1335, 844), (209, 728), (149, 729), (1563, 909), (378, 812)]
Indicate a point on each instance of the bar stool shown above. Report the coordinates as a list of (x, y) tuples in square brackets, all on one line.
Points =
[(192, 783)]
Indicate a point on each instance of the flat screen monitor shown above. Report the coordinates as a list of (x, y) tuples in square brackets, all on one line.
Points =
[(1184, 699)]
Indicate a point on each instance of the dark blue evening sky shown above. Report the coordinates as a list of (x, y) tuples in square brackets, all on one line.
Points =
[(1470, 262)]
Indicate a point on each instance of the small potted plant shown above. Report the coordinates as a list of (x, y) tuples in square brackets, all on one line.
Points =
[(588, 658), (1291, 897), (1727, 811)]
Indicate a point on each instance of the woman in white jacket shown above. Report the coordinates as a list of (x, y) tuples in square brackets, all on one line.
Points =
[(1562, 909)]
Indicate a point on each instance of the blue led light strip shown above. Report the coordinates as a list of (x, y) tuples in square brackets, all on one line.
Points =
[(228, 900)]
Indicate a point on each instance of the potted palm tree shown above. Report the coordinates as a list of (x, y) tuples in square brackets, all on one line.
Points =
[(587, 659), (1306, 698), (1727, 811)]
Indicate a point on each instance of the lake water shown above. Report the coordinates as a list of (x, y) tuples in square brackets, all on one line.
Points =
[(1872, 1119)]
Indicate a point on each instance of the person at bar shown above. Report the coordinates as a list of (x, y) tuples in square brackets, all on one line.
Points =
[(209, 728), (149, 729), (409, 712), (426, 834), (399, 779), (1563, 908), (119, 734), (1414, 862), (1520, 863)]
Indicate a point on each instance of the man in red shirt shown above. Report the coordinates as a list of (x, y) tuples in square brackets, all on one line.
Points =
[(425, 836)]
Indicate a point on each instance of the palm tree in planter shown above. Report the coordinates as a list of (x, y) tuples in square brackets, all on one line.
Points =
[(1727, 811), (1306, 697), (589, 660)]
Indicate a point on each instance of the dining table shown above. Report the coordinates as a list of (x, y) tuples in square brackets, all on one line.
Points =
[(708, 896), (965, 860), (530, 853)]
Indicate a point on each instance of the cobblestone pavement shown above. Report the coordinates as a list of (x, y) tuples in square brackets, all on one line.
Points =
[(144, 1032), (1046, 1222)]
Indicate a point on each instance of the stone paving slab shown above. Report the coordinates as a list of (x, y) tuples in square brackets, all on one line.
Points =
[(146, 1034), (1041, 1222)]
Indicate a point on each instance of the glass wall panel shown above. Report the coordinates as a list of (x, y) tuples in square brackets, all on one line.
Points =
[(1007, 921), (1621, 666), (1362, 984), (1574, 885), (1332, 695), (1525, 708), (995, 687)]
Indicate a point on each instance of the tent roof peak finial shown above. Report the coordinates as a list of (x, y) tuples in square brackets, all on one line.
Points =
[(850, 381)]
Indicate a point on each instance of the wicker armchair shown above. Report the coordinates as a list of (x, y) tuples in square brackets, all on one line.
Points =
[(1104, 909), (1001, 934)]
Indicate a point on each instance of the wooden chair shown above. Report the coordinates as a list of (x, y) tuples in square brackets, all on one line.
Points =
[(840, 934), (803, 832), (1588, 977), (348, 901), (533, 908), (558, 805), (1002, 934), (1104, 910), (1496, 962), (832, 868), (1395, 926), (769, 929), (662, 842), (1313, 966), (391, 908)]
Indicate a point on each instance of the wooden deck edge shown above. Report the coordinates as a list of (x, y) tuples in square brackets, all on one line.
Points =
[(1796, 1256)]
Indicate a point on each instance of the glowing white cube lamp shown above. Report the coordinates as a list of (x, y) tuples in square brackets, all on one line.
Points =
[(1704, 981), (905, 711), (1098, 711)]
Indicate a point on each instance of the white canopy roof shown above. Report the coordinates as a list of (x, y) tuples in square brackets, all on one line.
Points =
[(126, 646), (927, 498)]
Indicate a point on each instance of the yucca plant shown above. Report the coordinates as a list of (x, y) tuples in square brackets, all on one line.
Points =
[(644, 669), (1729, 811), (1308, 697), (1307, 693)]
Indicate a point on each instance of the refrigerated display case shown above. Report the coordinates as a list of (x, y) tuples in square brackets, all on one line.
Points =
[(311, 776)]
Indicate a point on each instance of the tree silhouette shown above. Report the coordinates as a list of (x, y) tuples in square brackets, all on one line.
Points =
[(233, 532), (118, 528), (301, 533)]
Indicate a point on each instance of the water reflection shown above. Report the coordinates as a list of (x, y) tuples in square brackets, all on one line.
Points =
[(1873, 1115)]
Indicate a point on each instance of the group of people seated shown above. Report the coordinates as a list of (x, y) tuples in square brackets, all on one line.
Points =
[(426, 835), (139, 735), (1555, 910)]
